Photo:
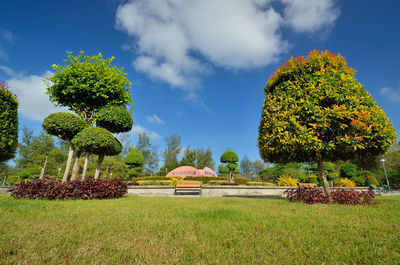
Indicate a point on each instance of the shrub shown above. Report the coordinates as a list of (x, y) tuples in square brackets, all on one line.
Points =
[(346, 183), (340, 196), (71, 190), (306, 195), (359, 181), (153, 182), (371, 180), (173, 181), (13, 179), (216, 182), (150, 178), (242, 181), (313, 179), (204, 179), (260, 183), (287, 181)]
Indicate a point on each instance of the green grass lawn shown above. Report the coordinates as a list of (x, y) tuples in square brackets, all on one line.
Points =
[(146, 230)]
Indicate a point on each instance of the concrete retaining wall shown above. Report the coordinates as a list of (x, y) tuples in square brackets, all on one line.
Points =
[(208, 191), (217, 191)]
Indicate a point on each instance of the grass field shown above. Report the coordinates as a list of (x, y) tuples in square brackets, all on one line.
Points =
[(146, 230)]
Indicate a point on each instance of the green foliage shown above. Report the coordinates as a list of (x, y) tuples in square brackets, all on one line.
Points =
[(88, 83), (8, 123), (189, 157), (13, 179), (170, 154), (205, 179), (149, 152), (153, 182), (229, 156), (97, 141), (134, 158), (260, 183), (204, 158), (315, 109), (116, 119), (348, 170), (216, 182), (223, 169), (29, 173), (371, 180), (242, 181), (358, 180), (64, 125)]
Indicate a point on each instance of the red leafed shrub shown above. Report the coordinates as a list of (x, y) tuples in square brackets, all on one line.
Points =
[(340, 196), (71, 190)]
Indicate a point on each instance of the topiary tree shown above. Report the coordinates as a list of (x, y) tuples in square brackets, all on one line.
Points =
[(66, 126), (315, 110), (230, 158), (135, 162), (88, 83), (8, 123), (97, 141), (116, 119)]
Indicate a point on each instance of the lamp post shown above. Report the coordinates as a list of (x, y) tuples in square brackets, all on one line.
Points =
[(384, 169)]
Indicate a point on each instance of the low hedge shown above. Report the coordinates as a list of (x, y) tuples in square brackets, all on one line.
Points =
[(204, 179), (216, 182), (260, 183), (242, 181), (71, 190), (150, 178), (153, 182)]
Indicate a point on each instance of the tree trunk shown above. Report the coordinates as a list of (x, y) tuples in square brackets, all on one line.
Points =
[(85, 165), (98, 167), (75, 168), (322, 176), (69, 160), (43, 169)]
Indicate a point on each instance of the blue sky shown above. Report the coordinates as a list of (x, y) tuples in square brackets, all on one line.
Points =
[(198, 67)]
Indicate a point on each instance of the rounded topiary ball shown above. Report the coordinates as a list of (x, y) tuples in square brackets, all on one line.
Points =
[(97, 141), (229, 156), (64, 125), (116, 119)]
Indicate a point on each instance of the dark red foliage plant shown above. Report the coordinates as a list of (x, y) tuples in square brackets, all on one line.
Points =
[(55, 190), (340, 196)]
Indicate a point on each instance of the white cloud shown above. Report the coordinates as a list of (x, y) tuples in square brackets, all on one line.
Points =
[(34, 104), (137, 129), (155, 119), (7, 35), (310, 15), (177, 41), (390, 94)]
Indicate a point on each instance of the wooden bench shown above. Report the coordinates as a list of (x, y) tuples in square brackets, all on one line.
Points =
[(308, 185), (188, 187)]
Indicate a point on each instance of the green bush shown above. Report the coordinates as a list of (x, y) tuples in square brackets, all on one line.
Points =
[(205, 179), (116, 119), (358, 180), (240, 180), (153, 182), (12, 179), (150, 178), (313, 179), (216, 182), (371, 180), (260, 183)]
